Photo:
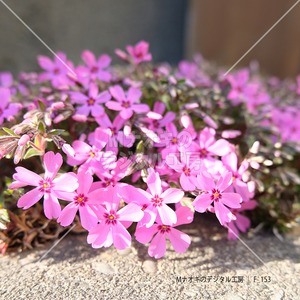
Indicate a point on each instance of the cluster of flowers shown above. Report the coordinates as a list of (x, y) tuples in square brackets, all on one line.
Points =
[(134, 152)]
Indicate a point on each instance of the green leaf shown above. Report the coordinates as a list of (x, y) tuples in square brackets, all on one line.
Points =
[(42, 127), (140, 147), (41, 105), (32, 152), (9, 131)]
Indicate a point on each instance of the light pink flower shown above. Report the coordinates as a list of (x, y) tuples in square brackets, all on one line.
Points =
[(112, 221), (90, 103), (126, 104), (7, 109), (187, 167), (51, 186), (207, 148), (241, 222), (137, 54), (230, 162), (124, 137), (179, 240), (83, 200), (216, 193), (154, 201), (95, 68), (57, 70)]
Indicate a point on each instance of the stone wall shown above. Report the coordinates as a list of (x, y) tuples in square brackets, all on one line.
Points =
[(98, 25)]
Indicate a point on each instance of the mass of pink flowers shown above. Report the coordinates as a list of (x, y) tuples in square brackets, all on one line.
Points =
[(131, 165)]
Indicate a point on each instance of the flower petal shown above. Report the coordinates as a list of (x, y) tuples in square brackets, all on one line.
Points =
[(157, 248), (67, 182), (179, 240), (131, 212), (121, 237), (144, 234), (52, 163), (202, 202), (167, 215), (68, 214), (172, 195), (30, 198), (52, 207), (117, 92), (232, 200), (88, 217), (26, 176)]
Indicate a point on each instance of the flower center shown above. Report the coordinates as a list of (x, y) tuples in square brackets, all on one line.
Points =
[(111, 218), (113, 131), (80, 199), (144, 207), (216, 195), (126, 104), (46, 185), (174, 140), (203, 153), (91, 102), (156, 201), (94, 69), (92, 154), (56, 71), (186, 171), (164, 228)]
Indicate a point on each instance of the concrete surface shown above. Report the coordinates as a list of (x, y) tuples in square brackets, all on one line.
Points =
[(73, 270)]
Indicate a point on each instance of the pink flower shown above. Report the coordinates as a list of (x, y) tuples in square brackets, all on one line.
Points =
[(7, 110), (137, 54), (95, 68), (155, 120), (127, 104), (90, 103), (216, 193), (179, 240), (50, 186), (208, 147), (124, 137), (57, 70), (187, 167), (241, 223), (154, 202), (91, 157), (230, 162), (83, 200), (112, 221)]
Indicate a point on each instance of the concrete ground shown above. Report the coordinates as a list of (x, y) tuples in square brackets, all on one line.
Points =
[(212, 268)]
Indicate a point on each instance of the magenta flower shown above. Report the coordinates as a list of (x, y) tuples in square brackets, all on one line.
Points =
[(57, 70), (154, 202), (90, 157), (187, 167), (83, 200), (155, 120), (51, 186), (179, 240), (125, 138), (112, 221), (90, 103), (95, 68), (127, 104), (7, 110), (216, 193), (230, 161), (241, 223), (208, 147), (137, 54)]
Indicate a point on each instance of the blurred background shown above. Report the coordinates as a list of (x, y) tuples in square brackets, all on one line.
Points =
[(222, 31)]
